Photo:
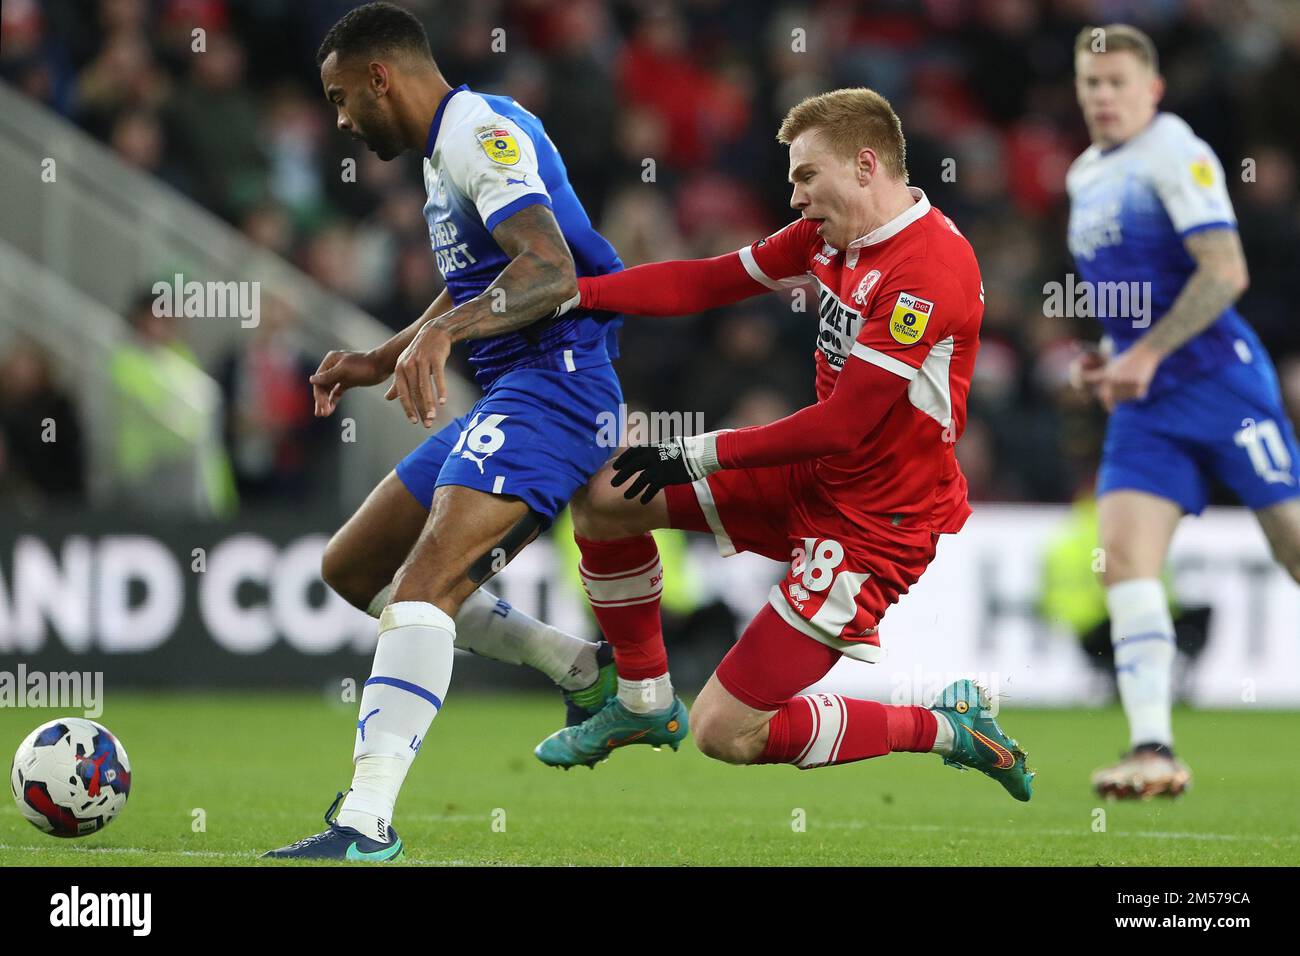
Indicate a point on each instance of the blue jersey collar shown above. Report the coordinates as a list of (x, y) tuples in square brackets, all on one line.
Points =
[(1110, 149), (437, 120)]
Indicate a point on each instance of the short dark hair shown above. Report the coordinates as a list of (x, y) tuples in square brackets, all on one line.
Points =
[(375, 28)]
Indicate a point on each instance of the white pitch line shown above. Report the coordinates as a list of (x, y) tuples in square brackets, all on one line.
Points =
[(133, 849), (216, 854), (833, 825), (1041, 831)]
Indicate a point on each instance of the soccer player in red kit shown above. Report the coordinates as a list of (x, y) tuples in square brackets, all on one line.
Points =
[(854, 490)]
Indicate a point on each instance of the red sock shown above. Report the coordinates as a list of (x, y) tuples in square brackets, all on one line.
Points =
[(820, 729), (624, 579)]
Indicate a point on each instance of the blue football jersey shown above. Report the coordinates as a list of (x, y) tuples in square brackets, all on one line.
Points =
[(487, 158), (1131, 207)]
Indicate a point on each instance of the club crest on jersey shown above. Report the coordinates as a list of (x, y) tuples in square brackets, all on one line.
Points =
[(1203, 172), (865, 286), (498, 144), (911, 316)]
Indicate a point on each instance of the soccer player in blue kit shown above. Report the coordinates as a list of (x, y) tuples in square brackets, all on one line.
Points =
[(1192, 394), (511, 238)]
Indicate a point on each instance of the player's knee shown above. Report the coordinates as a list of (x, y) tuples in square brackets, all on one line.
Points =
[(339, 572), (413, 582), (595, 510), (1122, 562), (718, 738)]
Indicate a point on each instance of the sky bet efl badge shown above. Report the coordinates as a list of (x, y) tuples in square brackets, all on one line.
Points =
[(499, 145), (911, 315), (1203, 172)]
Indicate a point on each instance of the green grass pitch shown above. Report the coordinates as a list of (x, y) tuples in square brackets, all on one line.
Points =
[(262, 769)]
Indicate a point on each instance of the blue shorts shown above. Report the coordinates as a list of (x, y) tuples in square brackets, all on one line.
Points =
[(532, 435), (1230, 425)]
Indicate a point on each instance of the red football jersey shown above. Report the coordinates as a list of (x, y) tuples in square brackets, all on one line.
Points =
[(907, 298)]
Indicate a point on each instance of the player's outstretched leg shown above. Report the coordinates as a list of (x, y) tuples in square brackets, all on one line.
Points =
[(979, 743), (363, 556), (342, 843), (752, 711), (491, 627), (623, 578)]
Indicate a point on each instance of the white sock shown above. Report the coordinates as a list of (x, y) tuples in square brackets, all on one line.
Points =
[(407, 686), (490, 627), (1142, 632), (944, 736), (652, 695)]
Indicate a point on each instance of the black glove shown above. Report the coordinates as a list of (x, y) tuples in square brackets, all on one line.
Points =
[(659, 465), (676, 462)]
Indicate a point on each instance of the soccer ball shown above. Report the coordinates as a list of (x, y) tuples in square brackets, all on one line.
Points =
[(70, 777)]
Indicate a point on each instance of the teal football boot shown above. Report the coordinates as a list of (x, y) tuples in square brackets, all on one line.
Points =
[(592, 741), (979, 743)]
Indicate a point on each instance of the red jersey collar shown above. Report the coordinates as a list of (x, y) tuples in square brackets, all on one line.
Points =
[(897, 224)]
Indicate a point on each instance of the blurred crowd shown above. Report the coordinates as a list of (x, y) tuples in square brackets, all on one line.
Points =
[(665, 112)]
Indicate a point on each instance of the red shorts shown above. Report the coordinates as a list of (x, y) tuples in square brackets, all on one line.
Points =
[(844, 573)]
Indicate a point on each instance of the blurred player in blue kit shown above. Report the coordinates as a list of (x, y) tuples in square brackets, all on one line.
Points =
[(510, 238), (1192, 393)]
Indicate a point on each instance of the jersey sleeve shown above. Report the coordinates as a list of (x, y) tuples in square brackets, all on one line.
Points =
[(1190, 182), (916, 307), (782, 260), (495, 167)]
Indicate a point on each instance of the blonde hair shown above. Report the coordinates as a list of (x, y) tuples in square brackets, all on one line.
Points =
[(1118, 38), (849, 120)]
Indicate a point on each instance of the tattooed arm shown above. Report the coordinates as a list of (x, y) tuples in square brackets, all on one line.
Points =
[(538, 279), (1219, 280)]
